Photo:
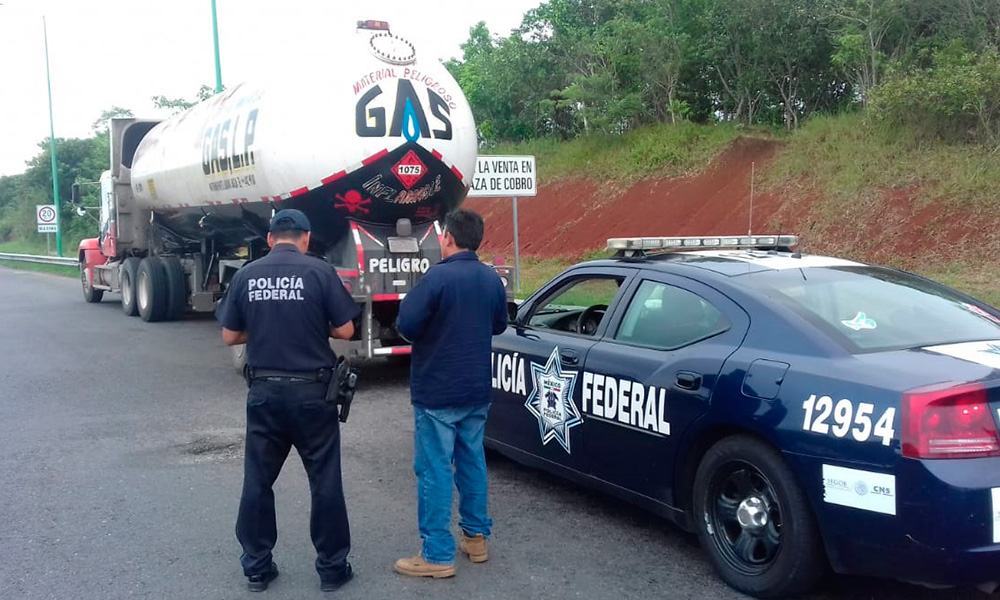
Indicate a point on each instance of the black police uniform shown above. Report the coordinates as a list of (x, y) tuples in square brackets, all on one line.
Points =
[(287, 303)]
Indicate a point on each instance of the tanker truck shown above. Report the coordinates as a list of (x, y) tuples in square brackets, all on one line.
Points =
[(375, 149)]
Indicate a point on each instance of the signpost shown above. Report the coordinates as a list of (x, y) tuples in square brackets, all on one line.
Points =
[(45, 215), (500, 176)]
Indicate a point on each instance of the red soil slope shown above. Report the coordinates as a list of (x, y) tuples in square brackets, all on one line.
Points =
[(570, 218), (892, 226)]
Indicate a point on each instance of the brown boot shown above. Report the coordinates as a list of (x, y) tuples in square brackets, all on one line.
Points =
[(475, 547), (418, 567)]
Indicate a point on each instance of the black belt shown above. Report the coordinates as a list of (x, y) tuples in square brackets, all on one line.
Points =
[(317, 376)]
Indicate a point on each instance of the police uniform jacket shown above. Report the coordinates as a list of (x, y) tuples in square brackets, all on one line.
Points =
[(287, 303), (450, 317)]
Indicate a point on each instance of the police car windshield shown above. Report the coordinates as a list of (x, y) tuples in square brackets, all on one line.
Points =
[(870, 309)]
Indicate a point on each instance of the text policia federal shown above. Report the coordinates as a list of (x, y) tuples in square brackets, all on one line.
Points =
[(275, 288), (603, 397)]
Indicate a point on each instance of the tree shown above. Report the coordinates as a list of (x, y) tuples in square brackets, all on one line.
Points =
[(735, 56), (795, 51), (865, 40), (100, 125), (176, 105)]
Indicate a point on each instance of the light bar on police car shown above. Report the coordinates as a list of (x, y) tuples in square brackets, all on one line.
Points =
[(667, 243)]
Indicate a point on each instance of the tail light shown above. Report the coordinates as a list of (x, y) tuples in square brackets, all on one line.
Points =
[(951, 422)]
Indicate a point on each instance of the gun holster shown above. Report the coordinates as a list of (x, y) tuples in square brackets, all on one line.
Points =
[(341, 388)]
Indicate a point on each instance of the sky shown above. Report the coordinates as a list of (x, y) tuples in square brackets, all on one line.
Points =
[(105, 53)]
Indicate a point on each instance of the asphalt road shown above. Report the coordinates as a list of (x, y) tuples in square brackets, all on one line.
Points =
[(121, 467)]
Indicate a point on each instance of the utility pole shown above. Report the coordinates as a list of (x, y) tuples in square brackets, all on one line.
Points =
[(52, 143), (218, 63)]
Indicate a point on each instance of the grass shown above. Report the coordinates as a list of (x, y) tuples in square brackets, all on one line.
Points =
[(27, 247), (658, 150), (37, 247), (54, 269), (851, 160), (976, 280), (536, 271)]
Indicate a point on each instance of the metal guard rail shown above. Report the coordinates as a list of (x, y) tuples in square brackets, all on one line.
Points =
[(45, 260)]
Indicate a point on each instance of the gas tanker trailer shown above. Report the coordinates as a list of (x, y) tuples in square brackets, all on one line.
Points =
[(375, 149)]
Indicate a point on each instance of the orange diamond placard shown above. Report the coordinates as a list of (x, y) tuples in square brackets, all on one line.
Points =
[(409, 170)]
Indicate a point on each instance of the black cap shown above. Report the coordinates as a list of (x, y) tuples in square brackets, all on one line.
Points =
[(289, 219)]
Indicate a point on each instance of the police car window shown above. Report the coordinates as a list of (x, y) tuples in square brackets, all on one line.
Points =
[(664, 316), (578, 307), (868, 309)]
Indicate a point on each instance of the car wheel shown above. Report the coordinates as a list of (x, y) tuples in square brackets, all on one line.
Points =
[(89, 293), (151, 291), (177, 293), (126, 275), (754, 520)]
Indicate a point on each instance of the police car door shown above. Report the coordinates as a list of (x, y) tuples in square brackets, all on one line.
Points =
[(651, 375), (537, 365)]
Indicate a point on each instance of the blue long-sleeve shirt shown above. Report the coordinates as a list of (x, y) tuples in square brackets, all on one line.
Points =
[(450, 317)]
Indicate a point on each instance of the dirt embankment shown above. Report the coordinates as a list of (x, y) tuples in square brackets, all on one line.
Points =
[(571, 218)]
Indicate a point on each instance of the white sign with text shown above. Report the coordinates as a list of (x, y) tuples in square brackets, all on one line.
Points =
[(46, 216), (504, 176)]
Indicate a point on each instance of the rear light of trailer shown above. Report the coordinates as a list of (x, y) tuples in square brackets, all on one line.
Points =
[(949, 422)]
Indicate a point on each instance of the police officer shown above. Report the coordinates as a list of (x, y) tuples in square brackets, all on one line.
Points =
[(284, 307)]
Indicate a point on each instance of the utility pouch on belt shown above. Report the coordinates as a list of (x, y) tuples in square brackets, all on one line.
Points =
[(341, 387)]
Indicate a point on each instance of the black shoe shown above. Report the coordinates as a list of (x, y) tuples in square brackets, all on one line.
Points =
[(259, 582), (332, 584)]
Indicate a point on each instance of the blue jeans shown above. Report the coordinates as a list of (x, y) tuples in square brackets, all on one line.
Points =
[(442, 437)]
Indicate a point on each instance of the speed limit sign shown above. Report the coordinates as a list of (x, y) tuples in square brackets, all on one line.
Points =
[(46, 216)]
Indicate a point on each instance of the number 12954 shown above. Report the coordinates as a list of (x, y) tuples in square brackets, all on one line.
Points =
[(847, 419)]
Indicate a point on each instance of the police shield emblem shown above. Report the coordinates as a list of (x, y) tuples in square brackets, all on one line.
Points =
[(551, 401)]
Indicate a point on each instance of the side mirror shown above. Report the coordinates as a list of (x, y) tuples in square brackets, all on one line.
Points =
[(512, 312), (75, 194)]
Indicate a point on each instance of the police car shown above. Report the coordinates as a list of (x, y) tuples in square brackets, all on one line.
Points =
[(799, 412)]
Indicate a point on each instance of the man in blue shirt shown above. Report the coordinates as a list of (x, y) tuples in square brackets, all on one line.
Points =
[(450, 317), (285, 307)]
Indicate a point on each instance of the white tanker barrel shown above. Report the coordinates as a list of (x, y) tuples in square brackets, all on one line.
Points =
[(381, 134)]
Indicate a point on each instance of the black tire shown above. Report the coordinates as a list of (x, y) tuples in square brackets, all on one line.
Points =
[(754, 521), (89, 293), (151, 293), (127, 273), (177, 289)]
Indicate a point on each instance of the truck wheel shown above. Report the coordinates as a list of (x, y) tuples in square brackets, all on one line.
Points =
[(126, 275), (239, 356), (177, 292), (151, 290), (89, 293), (754, 520)]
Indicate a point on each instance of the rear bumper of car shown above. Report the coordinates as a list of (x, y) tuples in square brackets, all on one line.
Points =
[(946, 530)]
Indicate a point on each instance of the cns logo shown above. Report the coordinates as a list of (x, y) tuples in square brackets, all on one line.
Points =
[(408, 116)]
